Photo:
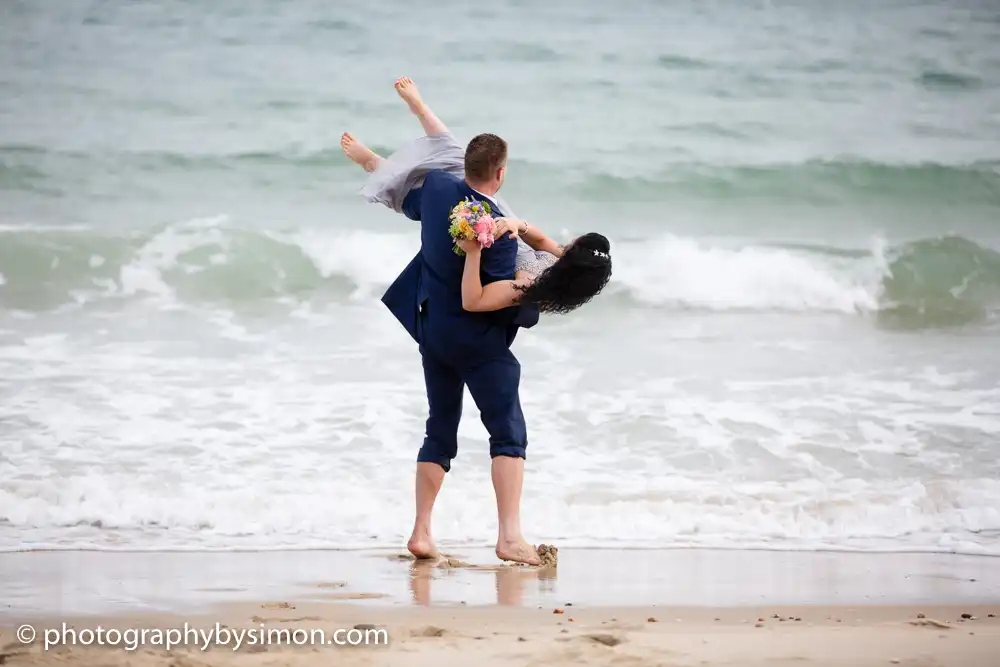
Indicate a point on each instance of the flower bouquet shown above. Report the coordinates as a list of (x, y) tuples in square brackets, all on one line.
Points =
[(471, 220)]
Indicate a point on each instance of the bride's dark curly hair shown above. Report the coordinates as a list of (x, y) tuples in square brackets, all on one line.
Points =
[(574, 279)]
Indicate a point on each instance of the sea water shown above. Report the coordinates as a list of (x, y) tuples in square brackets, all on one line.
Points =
[(799, 347)]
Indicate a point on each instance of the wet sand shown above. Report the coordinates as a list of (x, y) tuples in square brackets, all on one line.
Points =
[(686, 607)]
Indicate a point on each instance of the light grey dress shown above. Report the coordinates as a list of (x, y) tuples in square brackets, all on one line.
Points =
[(405, 169)]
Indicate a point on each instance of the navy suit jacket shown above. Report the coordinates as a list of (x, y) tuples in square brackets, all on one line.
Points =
[(431, 284)]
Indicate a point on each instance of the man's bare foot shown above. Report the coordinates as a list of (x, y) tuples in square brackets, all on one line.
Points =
[(422, 547), (363, 156), (518, 552), (410, 94)]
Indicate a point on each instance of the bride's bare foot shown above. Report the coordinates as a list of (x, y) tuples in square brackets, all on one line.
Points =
[(410, 94), (360, 154), (422, 546), (518, 551)]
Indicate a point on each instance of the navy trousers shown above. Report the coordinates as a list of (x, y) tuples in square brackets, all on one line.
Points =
[(493, 382)]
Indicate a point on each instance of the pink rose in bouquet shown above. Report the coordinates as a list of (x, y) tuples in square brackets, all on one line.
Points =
[(484, 229)]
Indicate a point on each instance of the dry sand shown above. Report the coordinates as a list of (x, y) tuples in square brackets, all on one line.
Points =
[(594, 636)]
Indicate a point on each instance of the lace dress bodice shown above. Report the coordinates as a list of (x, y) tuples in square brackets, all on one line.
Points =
[(532, 261)]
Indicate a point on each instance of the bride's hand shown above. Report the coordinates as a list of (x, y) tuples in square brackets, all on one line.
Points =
[(510, 226), (470, 247)]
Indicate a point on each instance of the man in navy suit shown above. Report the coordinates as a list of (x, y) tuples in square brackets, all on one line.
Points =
[(461, 348)]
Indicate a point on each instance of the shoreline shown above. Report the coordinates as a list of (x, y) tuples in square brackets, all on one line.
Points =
[(482, 547), (600, 607), (36, 583)]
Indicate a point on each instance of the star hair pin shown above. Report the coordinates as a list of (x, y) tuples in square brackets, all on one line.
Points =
[(598, 253)]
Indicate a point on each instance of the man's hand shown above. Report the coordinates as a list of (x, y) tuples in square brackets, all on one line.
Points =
[(512, 226), (470, 247)]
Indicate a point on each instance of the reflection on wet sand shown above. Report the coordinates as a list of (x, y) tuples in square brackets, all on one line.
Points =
[(509, 580), (420, 581)]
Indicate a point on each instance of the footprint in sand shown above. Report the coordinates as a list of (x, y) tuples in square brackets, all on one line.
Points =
[(354, 596)]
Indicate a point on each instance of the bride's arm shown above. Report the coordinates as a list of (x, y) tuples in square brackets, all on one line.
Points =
[(532, 235), (477, 298)]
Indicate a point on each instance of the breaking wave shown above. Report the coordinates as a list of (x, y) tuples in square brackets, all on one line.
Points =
[(940, 281)]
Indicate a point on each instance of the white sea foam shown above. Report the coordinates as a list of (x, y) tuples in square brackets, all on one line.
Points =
[(691, 273), (178, 416), (305, 438)]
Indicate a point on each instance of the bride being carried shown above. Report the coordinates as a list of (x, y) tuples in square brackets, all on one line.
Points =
[(557, 278)]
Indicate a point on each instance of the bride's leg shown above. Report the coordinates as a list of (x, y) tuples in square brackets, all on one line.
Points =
[(408, 91), (363, 156)]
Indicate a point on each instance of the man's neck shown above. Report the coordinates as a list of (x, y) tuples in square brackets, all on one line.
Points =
[(482, 188)]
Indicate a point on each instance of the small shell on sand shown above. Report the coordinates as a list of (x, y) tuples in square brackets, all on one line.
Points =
[(276, 605)]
